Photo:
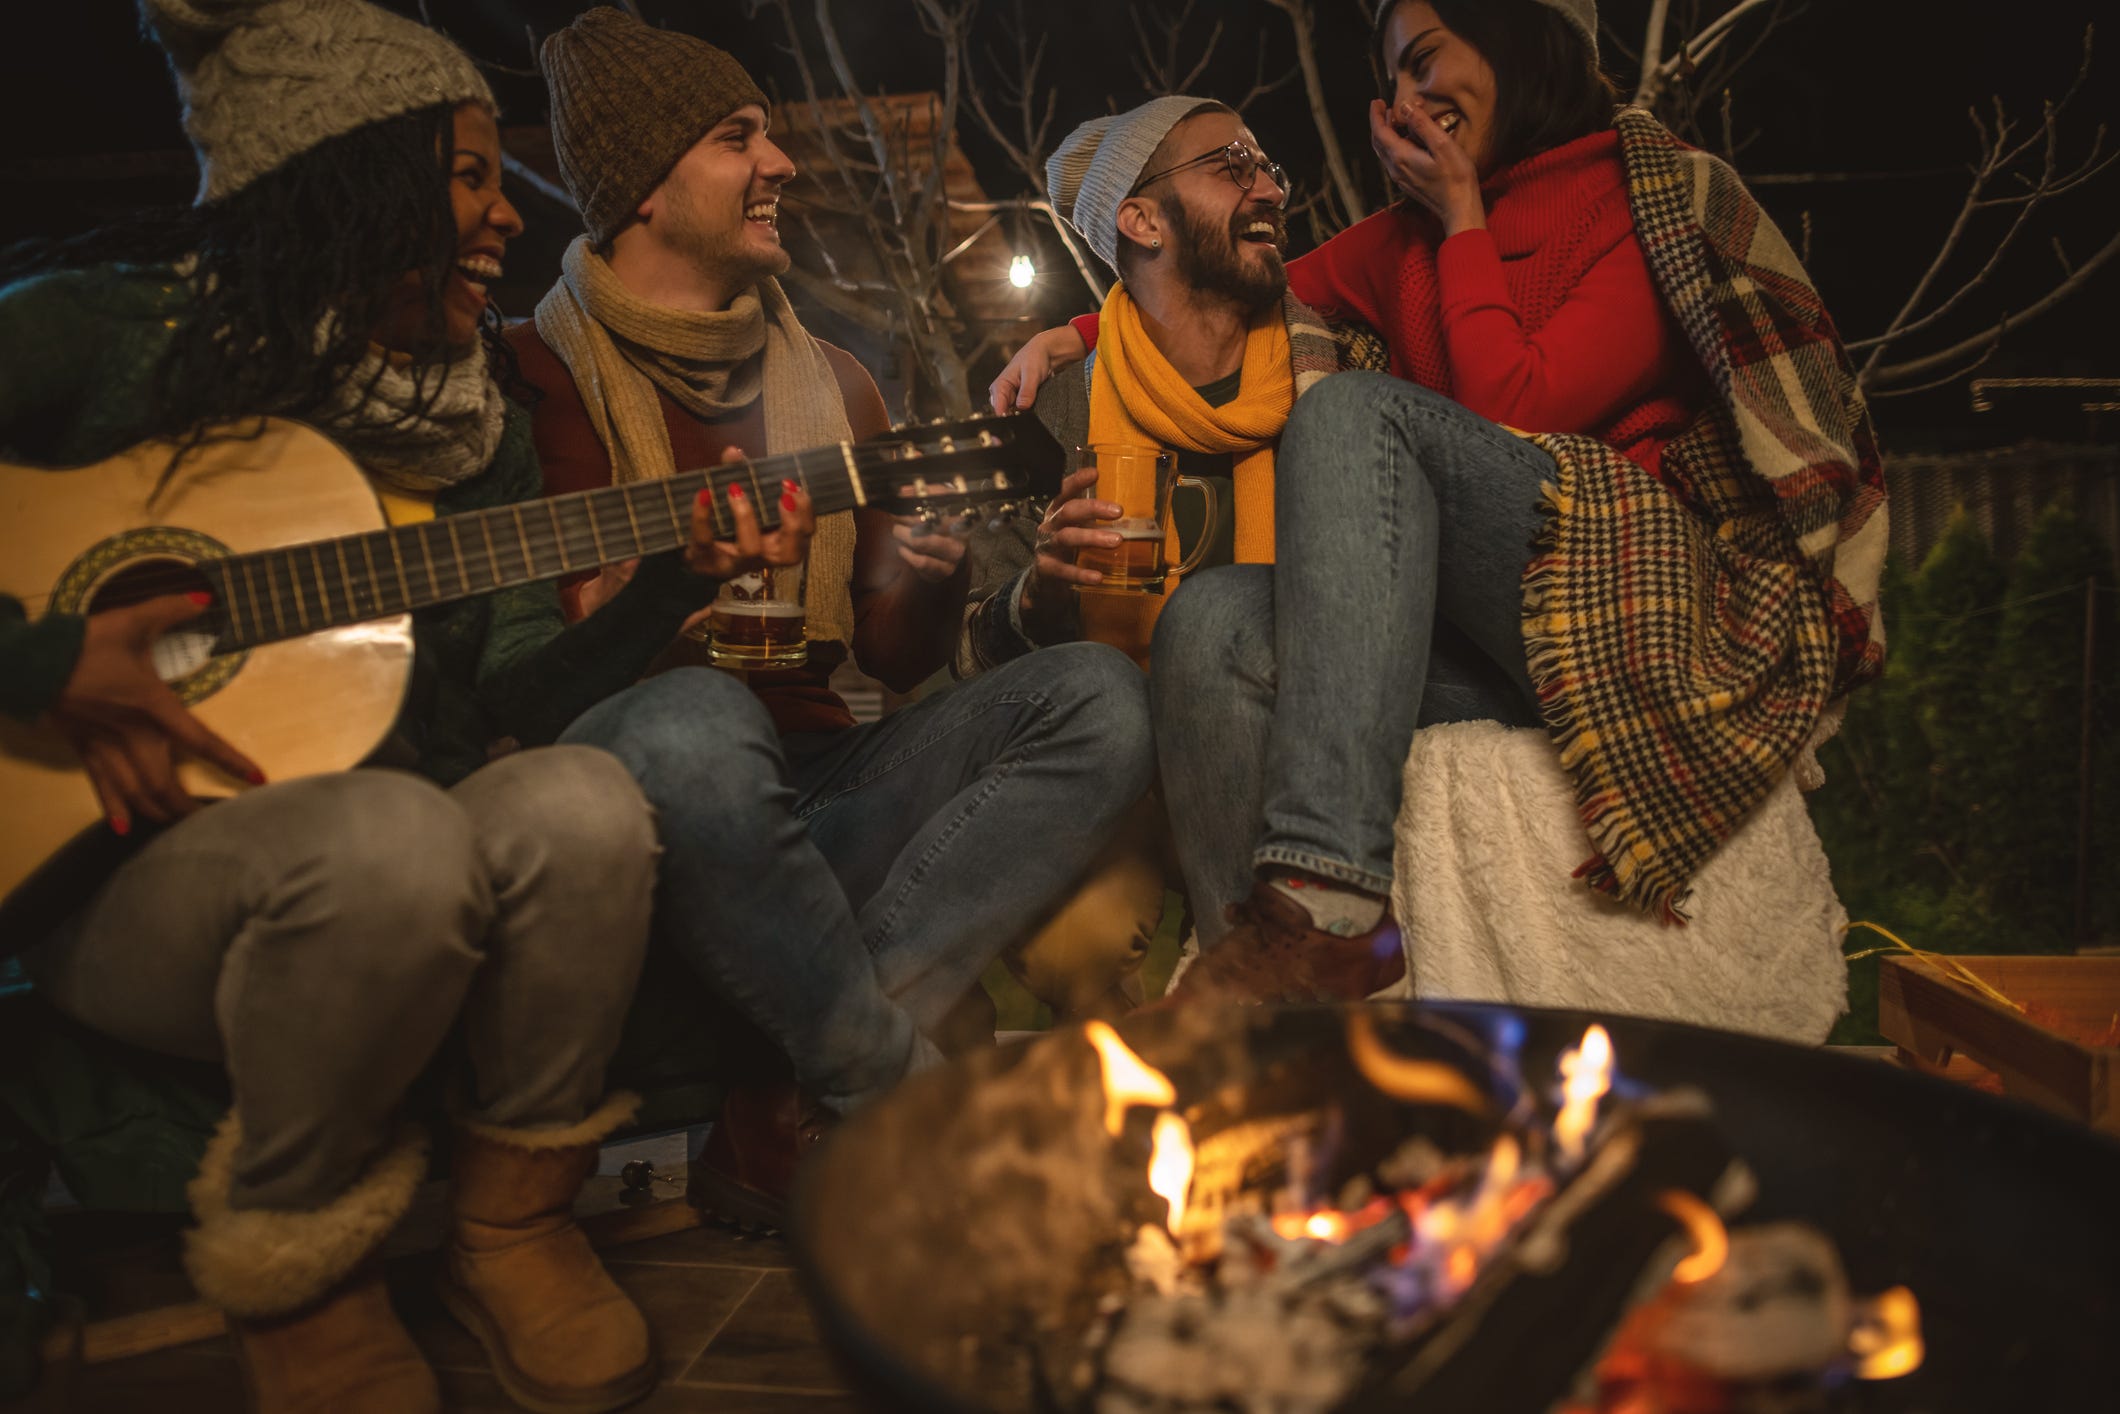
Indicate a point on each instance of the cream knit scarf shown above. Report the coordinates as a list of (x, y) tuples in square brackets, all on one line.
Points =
[(418, 433), (621, 349)]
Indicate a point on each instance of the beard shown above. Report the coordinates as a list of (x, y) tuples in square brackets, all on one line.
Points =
[(718, 250), (1211, 259)]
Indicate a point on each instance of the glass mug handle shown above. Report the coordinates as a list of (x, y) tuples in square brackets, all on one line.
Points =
[(1209, 523)]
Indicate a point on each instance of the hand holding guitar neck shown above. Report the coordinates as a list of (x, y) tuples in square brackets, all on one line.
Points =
[(128, 725), (747, 547)]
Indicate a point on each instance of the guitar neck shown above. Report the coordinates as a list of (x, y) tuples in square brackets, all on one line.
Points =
[(270, 595)]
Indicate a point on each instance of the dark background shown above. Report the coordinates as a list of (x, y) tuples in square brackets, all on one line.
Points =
[(1876, 88)]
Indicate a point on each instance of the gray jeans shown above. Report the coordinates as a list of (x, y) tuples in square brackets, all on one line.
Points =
[(320, 938)]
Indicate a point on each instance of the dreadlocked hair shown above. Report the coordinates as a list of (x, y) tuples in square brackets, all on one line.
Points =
[(289, 275)]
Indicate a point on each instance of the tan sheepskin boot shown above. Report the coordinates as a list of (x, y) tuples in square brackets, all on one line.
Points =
[(312, 1323), (521, 1276)]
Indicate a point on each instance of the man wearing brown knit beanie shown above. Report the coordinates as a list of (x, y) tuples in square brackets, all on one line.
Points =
[(842, 886)]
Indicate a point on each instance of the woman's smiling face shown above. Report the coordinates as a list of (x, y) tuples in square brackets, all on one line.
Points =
[(485, 222), (1431, 68)]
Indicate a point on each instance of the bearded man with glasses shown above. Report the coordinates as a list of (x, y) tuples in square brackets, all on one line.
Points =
[(1203, 352)]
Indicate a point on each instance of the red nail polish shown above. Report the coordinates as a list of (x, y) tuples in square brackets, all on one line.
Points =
[(787, 500), (200, 597), (736, 493), (706, 496), (788, 485), (119, 825), (255, 776)]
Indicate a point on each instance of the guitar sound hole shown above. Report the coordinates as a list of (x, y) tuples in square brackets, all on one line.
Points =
[(187, 648)]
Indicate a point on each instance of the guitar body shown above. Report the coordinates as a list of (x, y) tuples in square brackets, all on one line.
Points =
[(303, 659), (299, 707)]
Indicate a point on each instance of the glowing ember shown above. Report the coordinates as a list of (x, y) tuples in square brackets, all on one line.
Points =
[(1326, 1227), (1170, 1164), (1586, 1075), (1403, 1078), (1886, 1340), (1711, 1241), (1129, 1081)]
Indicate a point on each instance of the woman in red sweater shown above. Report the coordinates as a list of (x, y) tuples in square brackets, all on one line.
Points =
[(1533, 346), (1511, 278)]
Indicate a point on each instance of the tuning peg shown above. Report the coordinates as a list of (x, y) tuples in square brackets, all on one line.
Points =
[(928, 518)]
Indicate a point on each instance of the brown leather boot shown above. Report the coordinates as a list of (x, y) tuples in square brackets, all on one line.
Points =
[(1273, 953), (520, 1274), (746, 1170), (312, 1323)]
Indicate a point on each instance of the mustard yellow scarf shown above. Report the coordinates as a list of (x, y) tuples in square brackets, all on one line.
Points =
[(1136, 398)]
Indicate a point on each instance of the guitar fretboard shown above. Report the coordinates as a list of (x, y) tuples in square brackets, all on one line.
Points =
[(269, 595)]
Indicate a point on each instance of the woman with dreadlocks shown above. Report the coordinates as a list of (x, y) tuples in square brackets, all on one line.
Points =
[(1674, 562), (321, 937)]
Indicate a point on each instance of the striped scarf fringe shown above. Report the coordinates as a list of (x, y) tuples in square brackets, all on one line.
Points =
[(1693, 635)]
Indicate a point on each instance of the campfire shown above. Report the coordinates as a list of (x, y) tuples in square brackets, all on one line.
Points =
[(1280, 1297), (1455, 1208)]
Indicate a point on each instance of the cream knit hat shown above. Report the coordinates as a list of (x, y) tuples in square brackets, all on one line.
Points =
[(1097, 164), (266, 80), (1580, 13)]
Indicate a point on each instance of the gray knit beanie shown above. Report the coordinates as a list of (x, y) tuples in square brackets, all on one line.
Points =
[(1092, 171), (628, 100), (1580, 13), (263, 81)]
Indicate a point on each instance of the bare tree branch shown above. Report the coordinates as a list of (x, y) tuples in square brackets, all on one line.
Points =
[(1999, 151), (1347, 189), (1026, 147), (1892, 375), (1166, 72)]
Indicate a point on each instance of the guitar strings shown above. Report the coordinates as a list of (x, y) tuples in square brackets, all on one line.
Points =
[(578, 546)]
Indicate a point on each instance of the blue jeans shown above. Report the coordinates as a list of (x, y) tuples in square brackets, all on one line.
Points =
[(1286, 696), (844, 891)]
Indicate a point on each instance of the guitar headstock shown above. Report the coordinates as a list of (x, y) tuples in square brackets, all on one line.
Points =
[(960, 471)]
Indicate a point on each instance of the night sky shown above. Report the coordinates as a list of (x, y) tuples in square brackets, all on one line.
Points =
[(1848, 86)]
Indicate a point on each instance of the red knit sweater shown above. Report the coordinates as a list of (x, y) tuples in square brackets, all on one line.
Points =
[(1546, 321)]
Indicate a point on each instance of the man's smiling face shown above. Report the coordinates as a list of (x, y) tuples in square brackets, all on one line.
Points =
[(1225, 240), (720, 205)]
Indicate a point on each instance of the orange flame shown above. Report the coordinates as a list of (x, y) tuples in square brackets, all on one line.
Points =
[(1170, 1164), (1711, 1240), (1887, 1340), (1403, 1078), (1586, 1075), (1128, 1080)]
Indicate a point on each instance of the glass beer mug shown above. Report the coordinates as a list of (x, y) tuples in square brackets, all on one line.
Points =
[(757, 621), (1141, 480)]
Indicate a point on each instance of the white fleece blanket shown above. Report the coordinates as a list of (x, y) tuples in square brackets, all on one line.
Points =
[(1487, 836)]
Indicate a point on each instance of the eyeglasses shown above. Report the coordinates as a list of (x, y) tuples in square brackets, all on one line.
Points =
[(1244, 167)]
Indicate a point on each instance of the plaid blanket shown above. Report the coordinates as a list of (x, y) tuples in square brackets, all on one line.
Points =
[(1693, 636)]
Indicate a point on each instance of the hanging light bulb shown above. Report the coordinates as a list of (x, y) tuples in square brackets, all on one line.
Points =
[(1021, 271)]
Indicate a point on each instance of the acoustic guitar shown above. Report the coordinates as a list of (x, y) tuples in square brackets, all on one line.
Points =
[(304, 657)]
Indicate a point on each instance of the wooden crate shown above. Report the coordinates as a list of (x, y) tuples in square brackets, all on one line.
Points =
[(1933, 1018)]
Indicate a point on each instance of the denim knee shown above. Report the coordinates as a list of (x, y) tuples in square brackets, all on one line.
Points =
[(1104, 697), (1218, 625), (684, 732)]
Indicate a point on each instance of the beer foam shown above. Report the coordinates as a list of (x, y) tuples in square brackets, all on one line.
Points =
[(767, 609), (1138, 530)]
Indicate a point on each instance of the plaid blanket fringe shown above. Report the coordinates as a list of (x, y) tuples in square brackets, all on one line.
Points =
[(1692, 636)]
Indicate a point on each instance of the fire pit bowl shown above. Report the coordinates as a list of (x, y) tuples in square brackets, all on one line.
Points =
[(957, 1236)]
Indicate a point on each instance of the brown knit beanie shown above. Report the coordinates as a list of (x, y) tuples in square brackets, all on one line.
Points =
[(628, 100)]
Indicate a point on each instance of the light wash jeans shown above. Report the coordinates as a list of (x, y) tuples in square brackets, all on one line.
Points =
[(1286, 696), (844, 891), (321, 937)]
